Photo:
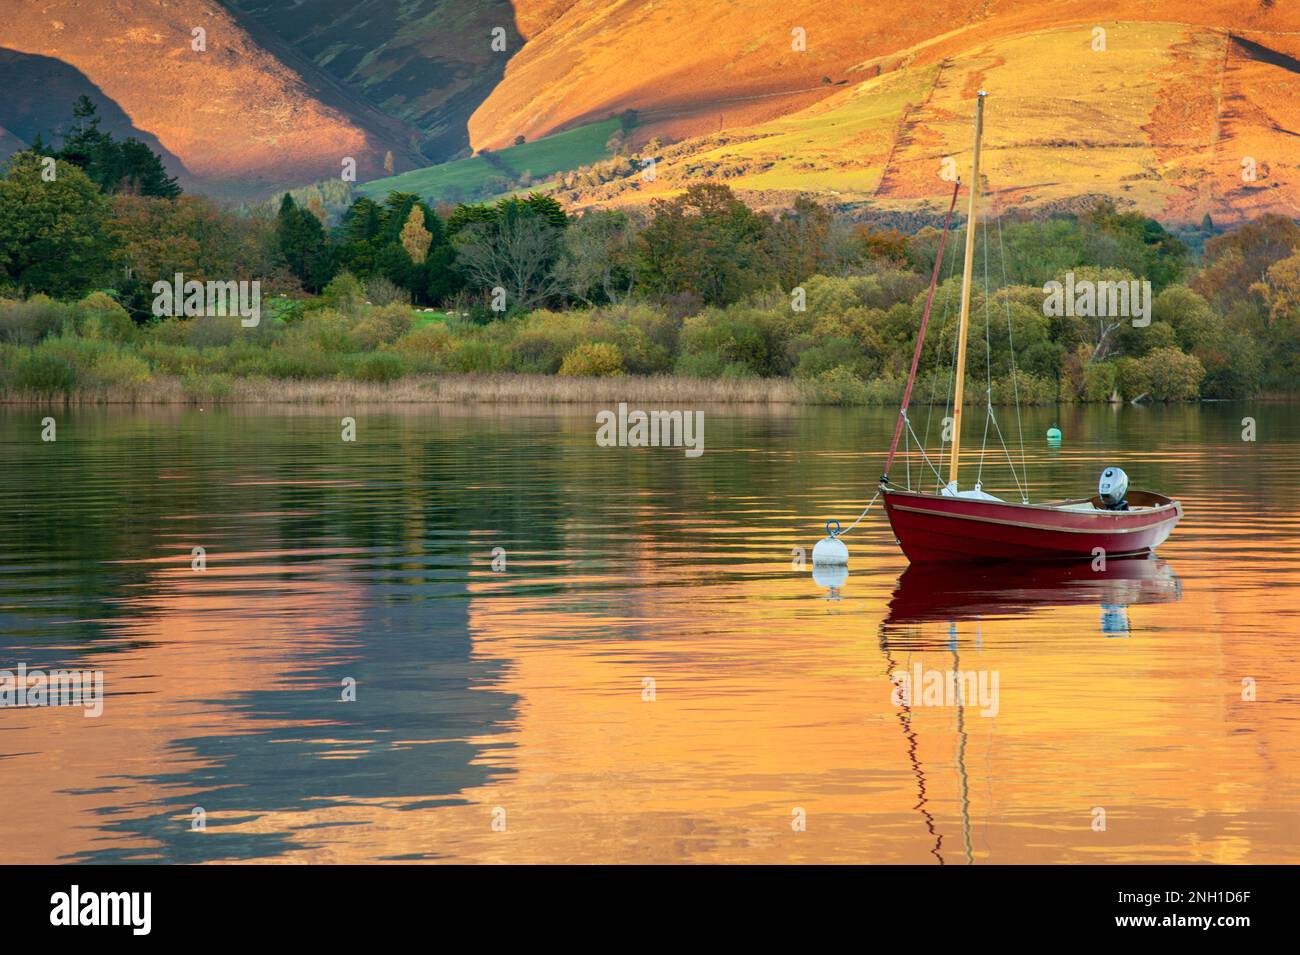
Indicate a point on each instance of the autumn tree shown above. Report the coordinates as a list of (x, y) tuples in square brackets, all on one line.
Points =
[(1281, 292), (799, 242), (884, 245), (415, 237), (1237, 260), (194, 236), (316, 206)]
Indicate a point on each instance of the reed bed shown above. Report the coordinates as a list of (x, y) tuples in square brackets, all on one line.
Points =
[(665, 390)]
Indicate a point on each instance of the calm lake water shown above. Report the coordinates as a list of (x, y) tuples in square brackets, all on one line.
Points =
[(648, 678)]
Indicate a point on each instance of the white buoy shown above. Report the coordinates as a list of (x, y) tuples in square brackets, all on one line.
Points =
[(830, 550)]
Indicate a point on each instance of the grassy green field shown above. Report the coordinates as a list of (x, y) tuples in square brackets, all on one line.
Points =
[(465, 178), (427, 318)]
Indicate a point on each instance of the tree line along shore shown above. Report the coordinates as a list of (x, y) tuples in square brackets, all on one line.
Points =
[(696, 296)]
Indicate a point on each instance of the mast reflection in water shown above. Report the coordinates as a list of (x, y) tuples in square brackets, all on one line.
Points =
[(935, 593)]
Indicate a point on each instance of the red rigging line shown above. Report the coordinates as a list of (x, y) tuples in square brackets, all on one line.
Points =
[(920, 338)]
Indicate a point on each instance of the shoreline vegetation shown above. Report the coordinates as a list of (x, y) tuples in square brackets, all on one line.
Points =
[(114, 287), (503, 388)]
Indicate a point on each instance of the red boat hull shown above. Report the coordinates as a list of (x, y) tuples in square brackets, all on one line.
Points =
[(934, 528)]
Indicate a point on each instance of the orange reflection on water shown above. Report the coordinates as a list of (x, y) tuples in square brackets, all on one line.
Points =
[(506, 716), (766, 702), (192, 641)]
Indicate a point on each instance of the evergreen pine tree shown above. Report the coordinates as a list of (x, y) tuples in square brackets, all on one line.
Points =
[(302, 242), (141, 172), (126, 167)]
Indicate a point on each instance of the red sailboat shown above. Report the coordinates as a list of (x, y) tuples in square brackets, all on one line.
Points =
[(956, 525), (936, 527)]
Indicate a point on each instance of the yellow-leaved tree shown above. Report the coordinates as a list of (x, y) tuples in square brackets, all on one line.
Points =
[(415, 237)]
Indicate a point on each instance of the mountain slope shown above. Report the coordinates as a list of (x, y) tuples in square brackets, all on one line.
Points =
[(233, 119), (858, 100), (1166, 118), (526, 166), (429, 63), (692, 68)]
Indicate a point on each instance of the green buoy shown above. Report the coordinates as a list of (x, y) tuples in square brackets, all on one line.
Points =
[(1054, 434)]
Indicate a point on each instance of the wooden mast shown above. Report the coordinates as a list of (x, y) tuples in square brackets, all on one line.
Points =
[(960, 387)]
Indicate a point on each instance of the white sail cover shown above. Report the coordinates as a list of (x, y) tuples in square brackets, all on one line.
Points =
[(978, 494)]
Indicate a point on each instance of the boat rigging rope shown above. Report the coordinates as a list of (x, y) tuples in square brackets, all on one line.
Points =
[(990, 417), (988, 360), (925, 457), (839, 533), (907, 453), (920, 337), (1015, 387), (1024, 494), (934, 380)]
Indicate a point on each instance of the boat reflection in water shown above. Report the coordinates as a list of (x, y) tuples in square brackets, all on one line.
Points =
[(938, 593), (987, 593)]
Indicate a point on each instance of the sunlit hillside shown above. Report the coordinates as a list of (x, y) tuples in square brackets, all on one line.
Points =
[(231, 118), (1174, 119), (1181, 107), (693, 67)]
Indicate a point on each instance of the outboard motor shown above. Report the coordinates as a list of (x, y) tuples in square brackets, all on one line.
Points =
[(1112, 488)]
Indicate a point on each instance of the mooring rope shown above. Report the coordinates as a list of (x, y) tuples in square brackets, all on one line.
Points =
[(839, 533)]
